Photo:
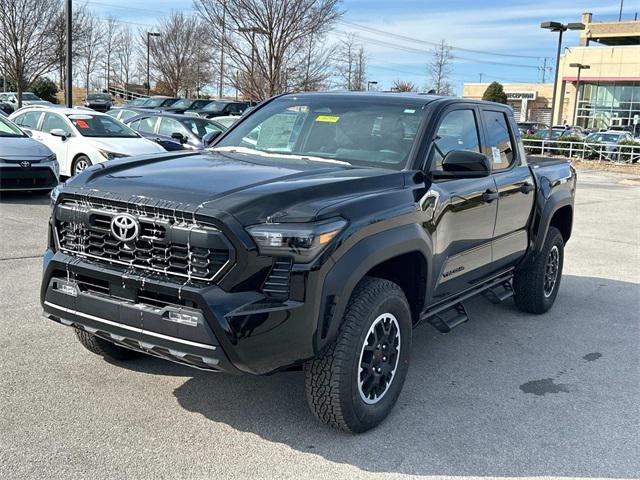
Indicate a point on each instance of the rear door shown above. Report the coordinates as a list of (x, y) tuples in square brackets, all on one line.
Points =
[(167, 127), (515, 184), (463, 218)]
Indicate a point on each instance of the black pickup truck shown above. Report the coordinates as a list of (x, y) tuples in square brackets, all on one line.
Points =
[(314, 233)]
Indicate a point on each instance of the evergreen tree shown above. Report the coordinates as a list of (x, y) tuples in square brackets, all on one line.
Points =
[(495, 93)]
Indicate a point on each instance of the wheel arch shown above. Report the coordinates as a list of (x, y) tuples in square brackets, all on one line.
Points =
[(400, 255)]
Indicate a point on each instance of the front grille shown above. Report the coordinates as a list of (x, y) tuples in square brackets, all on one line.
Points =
[(164, 244)]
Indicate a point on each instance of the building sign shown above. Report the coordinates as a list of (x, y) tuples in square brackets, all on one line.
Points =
[(521, 95)]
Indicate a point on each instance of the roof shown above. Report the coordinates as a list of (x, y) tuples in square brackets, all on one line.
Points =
[(61, 110)]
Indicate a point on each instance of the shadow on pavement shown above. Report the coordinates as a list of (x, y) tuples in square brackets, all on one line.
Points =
[(40, 197), (508, 394)]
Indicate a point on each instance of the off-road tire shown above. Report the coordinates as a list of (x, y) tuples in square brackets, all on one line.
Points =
[(332, 379), (529, 281), (104, 348)]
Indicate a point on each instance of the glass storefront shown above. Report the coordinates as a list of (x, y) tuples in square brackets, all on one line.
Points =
[(609, 104)]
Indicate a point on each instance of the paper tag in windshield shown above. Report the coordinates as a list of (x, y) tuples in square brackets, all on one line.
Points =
[(495, 151), (327, 118)]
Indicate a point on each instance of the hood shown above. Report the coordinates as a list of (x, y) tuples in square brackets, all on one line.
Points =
[(127, 146), (251, 188), (22, 148)]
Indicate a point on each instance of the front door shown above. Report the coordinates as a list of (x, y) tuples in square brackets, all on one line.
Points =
[(463, 216), (58, 145)]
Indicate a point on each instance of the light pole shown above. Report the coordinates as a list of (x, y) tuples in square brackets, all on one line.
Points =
[(252, 31), (560, 28), (580, 67), (369, 83), (149, 35), (68, 89)]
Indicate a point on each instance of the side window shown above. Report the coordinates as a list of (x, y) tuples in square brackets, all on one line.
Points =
[(29, 119), (169, 126), (145, 125), (499, 141), (457, 131), (126, 115), (53, 121)]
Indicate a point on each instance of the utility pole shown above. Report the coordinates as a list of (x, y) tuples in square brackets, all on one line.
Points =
[(68, 90), (620, 16), (544, 69), (149, 35), (481, 74), (224, 16)]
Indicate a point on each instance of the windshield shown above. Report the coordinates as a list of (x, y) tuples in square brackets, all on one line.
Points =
[(603, 137), (182, 103), (214, 107), (30, 96), (101, 126), (98, 96), (8, 129), (158, 102), (358, 131)]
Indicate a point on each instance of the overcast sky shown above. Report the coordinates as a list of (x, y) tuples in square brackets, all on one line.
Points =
[(488, 27)]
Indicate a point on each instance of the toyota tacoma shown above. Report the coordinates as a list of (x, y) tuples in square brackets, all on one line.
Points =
[(314, 234)]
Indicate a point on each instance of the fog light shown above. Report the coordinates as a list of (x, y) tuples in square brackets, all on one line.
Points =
[(191, 319), (67, 289)]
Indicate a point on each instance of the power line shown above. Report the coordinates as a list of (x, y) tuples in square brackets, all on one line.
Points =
[(433, 44)]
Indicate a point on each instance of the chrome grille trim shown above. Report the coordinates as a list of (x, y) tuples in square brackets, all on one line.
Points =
[(200, 251)]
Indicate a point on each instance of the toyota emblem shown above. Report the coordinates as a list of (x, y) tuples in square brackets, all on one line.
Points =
[(125, 227), (25, 164)]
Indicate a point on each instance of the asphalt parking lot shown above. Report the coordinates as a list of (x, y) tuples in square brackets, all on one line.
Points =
[(505, 395)]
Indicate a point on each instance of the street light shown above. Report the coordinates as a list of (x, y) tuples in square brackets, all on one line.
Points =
[(252, 31), (560, 28), (149, 35), (580, 67), (369, 83)]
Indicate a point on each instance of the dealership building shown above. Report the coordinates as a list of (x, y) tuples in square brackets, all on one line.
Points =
[(607, 93)]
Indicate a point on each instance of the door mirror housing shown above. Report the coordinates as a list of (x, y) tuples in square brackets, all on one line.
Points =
[(209, 138), (179, 137), (58, 132), (463, 164)]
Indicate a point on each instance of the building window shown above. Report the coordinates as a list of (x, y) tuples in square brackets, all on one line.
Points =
[(603, 105)]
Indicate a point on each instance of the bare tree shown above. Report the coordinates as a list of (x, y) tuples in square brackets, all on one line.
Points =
[(78, 37), (346, 60), (91, 49), (125, 54), (314, 68), (440, 68), (262, 38), (174, 54), (27, 42), (360, 73), (110, 43), (403, 86)]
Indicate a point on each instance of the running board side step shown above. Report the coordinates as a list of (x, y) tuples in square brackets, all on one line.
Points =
[(449, 319), (451, 313)]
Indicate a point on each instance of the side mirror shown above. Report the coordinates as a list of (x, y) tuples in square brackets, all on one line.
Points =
[(28, 133), (463, 164), (179, 137), (210, 137), (58, 132)]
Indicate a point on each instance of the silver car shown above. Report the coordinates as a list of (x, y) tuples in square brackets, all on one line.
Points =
[(25, 164)]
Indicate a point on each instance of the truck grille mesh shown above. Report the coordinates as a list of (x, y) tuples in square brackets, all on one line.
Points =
[(171, 246)]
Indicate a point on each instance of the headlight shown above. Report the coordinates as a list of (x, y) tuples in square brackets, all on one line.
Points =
[(111, 155), (55, 193), (300, 241), (50, 158)]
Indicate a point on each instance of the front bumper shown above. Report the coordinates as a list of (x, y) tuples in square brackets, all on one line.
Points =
[(38, 176), (233, 332)]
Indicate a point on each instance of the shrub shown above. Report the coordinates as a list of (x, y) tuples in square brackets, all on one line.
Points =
[(628, 154), (45, 89)]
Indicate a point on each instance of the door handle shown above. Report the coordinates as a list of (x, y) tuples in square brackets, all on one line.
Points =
[(489, 196), (526, 188)]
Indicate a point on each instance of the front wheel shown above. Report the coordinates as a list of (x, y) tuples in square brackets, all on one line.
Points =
[(354, 385), (81, 163), (536, 286)]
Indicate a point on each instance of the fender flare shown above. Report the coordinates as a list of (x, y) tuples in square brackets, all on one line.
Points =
[(552, 204), (353, 265)]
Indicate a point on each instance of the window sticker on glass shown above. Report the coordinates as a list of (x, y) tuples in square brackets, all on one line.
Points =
[(409, 110), (81, 124), (497, 158), (327, 118)]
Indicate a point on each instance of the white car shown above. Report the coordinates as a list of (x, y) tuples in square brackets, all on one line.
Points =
[(81, 138)]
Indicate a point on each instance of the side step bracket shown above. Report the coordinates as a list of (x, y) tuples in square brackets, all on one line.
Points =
[(447, 320), (499, 293)]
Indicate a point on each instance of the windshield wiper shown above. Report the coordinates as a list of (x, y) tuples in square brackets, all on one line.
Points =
[(262, 153)]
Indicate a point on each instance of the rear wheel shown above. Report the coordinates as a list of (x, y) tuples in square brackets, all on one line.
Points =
[(80, 164), (536, 286), (356, 382), (104, 348)]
